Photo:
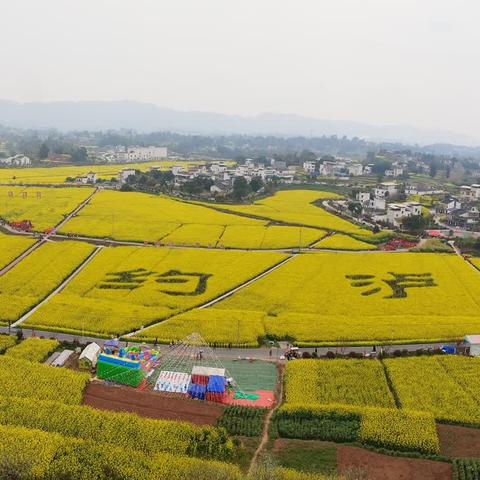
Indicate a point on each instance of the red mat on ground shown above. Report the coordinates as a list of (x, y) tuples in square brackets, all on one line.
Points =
[(266, 399)]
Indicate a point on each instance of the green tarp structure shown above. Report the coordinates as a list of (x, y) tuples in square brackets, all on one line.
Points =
[(119, 374)]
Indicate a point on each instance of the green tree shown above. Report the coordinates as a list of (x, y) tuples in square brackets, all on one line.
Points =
[(240, 187), (256, 184), (79, 155), (355, 208), (415, 224), (43, 151)]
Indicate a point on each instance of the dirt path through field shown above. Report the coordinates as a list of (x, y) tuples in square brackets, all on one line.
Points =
[(266, 425)]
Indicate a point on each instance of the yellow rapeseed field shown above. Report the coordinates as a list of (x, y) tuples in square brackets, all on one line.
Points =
[(37, 275), (167, 221), (343, 242), (441, 386), (125, 288), (11, 247), (352, 382), (142, 217), (328, 298), (21, 378), (44, 207), (33, 349), (297, 207), (269, 237), (58, 175), (221, 327)]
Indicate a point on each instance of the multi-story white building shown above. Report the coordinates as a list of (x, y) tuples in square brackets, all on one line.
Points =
[(355, 169), (363, 196), (90, 177), (397, 211), (309, 167), (142, 154), (16, 161), (124, 174), (386, 189), (470, 192), (394, 172)]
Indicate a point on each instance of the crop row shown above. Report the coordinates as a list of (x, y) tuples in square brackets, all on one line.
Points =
[(122, 429), (447, 387), (27, 454), (244, 421), (33, 349), (21, 378), (403, 430)]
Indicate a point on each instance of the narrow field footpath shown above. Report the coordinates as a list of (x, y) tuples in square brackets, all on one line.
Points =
[(266, 426), (59, 288), (25, 254)]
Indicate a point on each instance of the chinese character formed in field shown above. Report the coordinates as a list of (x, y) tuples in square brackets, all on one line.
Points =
[(128, 279), (398, 284), (195, 283)]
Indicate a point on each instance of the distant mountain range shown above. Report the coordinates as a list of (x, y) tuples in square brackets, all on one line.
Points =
[(145, 117)]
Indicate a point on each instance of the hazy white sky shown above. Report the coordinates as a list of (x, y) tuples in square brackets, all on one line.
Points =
[(415, 62)]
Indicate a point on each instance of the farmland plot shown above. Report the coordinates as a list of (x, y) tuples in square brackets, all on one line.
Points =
[(125, 288), (338, 298), (44, 207), (352, 382), (343, 242), (11, 247), (37, 275), (296, 207), (441, 386), (58, 175), (142, 217)]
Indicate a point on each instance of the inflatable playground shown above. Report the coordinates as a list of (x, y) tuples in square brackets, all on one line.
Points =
[(189, 369), (126, 366)]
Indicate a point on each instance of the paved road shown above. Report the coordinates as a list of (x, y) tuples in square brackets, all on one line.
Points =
[(262, 353)]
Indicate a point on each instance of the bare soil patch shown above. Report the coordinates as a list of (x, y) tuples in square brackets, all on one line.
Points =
[(150, 404), (374, 466), (459, 442)]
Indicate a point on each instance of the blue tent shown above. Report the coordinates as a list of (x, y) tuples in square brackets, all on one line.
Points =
[(197, 391), (216, 384)]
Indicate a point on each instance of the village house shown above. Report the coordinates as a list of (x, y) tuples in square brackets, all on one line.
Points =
[(470, 193), (397, 211), (355, 169), (89, 178), (363, 196), (124, 174), (394, 172), (387, 189)]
